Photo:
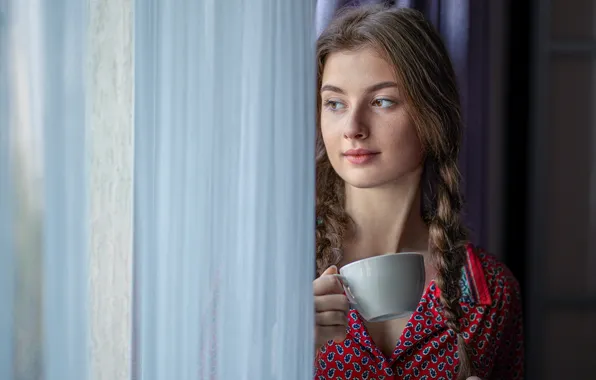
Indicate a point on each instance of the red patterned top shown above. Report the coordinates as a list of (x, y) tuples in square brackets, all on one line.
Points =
[(492, 327)]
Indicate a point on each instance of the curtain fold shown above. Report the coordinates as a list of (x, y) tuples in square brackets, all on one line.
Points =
[(224, 218), (65, 202), (43, 206), (7, 257)]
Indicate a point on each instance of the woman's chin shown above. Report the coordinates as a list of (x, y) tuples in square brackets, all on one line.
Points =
[(363, 182)]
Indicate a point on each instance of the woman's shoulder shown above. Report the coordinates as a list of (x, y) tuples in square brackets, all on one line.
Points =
[(492, 279), (501, 331)]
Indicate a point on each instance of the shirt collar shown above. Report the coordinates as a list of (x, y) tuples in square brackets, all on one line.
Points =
[(472, 282)]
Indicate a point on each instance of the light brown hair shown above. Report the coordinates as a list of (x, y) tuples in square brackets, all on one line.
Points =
[(425, 72)]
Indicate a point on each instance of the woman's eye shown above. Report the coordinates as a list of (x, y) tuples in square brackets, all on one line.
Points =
[(383, 103), (334, 105)]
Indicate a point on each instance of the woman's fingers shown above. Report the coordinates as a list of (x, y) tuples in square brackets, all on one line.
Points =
[(327, 284), (331, 308), (331, 318), (332, 302), (327, 333)]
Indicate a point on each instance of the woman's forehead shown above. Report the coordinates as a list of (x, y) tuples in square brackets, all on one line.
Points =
[(356, 69), (360, 66)]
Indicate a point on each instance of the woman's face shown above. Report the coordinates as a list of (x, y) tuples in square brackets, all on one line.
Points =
[(369, 137)]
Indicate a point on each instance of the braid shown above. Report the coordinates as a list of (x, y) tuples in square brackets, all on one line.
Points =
[(447, 241), (332, 220)]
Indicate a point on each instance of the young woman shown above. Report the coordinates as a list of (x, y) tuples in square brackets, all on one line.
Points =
[(387, 181)]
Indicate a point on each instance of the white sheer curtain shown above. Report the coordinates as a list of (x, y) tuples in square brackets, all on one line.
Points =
[(7, 259), (224, 189), (43, 256)]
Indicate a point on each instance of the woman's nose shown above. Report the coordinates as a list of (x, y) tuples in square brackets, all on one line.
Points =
[(356, 126)]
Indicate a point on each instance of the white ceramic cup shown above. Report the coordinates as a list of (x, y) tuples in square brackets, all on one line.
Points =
[(384, 287)]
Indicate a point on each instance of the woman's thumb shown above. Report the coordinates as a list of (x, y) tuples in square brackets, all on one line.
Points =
[(331, 270)]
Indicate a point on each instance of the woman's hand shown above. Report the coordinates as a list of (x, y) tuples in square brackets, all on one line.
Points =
[(331, 309)]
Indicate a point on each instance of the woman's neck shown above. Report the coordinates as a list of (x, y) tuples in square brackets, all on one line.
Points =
[(387, 219)]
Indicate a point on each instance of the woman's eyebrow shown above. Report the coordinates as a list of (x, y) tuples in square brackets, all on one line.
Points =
[(374, 87)]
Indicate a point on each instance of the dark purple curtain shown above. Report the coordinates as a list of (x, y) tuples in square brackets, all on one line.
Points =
[(464, 26)]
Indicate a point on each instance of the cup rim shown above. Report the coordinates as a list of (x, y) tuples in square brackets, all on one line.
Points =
[(380, 256)]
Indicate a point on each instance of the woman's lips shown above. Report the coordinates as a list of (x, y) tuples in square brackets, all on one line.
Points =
[(360, 156)]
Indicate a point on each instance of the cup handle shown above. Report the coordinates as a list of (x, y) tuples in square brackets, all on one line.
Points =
[(346, 285)]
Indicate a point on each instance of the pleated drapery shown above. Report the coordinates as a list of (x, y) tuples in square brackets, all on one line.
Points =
[(224, 189), (43, 187)]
